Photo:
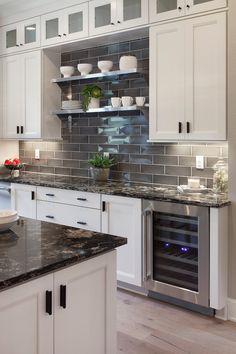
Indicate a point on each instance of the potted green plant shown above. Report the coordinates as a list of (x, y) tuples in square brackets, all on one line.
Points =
[(91, 97), (100, 167)]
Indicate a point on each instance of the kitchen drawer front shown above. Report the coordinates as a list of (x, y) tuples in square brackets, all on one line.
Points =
[(69, 215), (83, 199)]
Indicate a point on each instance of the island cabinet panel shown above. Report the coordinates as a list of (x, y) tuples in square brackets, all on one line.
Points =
[(121, 216), (25, 327), (85, 316), (23, 199)]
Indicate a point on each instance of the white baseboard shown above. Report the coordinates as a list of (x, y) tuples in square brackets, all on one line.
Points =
[(229, 312)]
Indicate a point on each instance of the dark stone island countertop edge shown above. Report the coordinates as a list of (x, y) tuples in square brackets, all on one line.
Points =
[(35, 274), (131, 190)]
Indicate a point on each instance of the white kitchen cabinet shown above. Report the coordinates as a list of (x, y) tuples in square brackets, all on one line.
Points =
[(27, 105), (121, 216), (64, 25), (23, 199), (188, 79), (90, 307), (114, 15), (1, 97), (167, 9), (25, 327), (20, 36)]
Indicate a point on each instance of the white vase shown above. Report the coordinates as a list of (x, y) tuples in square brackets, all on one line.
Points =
[(94, 103), (128, 62)]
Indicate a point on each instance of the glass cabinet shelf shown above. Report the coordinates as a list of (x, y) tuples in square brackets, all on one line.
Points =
[(108, 74), (100, 110)]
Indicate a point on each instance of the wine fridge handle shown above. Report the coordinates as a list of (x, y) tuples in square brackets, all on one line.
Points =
[(147, 242)]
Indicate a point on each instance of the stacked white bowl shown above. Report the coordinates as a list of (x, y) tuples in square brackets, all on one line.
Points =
[(7, 219), (71, 104)]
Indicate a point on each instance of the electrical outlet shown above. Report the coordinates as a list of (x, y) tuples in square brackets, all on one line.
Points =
[(200, 162), (106, 154), (37, 154)]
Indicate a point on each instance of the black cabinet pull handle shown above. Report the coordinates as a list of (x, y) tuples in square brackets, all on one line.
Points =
[(82, 199), (32, 195), (103, 206), (81, 223), (21, 129), (63, 296), (49, 302), (49, 216), (180, 127), (188, 127), (17, 129), (50, 195), (179, 8)]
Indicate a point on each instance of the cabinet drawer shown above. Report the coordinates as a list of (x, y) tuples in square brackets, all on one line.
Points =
[(69, 215), (84, 199)]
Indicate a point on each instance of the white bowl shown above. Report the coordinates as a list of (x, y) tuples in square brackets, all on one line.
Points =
[(85, 69), (7, 216), (105, 65), (67, 71), (71, 104)]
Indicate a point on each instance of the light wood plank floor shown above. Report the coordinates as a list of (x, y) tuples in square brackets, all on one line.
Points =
[(146, 326)]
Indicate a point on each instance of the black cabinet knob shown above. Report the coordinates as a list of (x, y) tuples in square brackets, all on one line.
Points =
[(112, 23), (118, 21), (179, 8), (64, 34), (188, 6), (59, 35)]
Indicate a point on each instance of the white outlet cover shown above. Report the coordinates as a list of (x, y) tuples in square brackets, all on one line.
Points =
[(37, 154), (200, 162)]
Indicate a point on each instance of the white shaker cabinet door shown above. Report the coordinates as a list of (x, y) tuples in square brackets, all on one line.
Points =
[(121, 216), (23, 200), (75, 22), (25, 327), (195, 6), (85, 307), (102, 16), (205, 67), (132, 13), (166, 9), (167, 81)]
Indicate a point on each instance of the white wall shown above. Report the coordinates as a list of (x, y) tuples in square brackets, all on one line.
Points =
[(8, 149)]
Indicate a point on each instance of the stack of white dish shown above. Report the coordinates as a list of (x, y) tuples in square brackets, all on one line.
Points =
[(7, 219), (71, 104)]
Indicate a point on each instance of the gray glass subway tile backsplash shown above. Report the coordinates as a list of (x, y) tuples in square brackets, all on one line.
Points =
[(123, 135)]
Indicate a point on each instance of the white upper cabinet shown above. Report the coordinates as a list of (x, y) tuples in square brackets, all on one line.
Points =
[(114, 15), (188, 79), (166, 9), (20, 36), (65, 25)]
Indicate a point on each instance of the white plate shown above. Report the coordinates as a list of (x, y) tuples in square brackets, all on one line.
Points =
[(187, 189), (7, 216), (7, 226)]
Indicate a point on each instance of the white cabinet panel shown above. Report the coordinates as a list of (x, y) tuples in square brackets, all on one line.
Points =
[(84, 218), (132, 13), (205, 67), (23, 200), (52, 28), (166, 9), (167, 82), (89, 320), (102, 16), (122, 217), (25, 327), (195, 6)]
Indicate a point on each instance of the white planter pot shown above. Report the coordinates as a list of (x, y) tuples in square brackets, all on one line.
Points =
[(128, 62), (94, 103)]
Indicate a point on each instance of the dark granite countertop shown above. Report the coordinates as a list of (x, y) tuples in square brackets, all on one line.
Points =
[(33, 248), (133, 190)]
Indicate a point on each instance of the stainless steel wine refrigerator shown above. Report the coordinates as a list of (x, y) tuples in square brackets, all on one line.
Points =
[(176, 250)]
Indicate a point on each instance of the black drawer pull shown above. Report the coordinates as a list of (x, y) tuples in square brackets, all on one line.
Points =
[(82, 199), (50, 195), (49, 216), (188, 127), (32, 195), (103, 206), (21, 129), (17, 129), (81, 223), (63, 296), (49, 302), (180, 127)]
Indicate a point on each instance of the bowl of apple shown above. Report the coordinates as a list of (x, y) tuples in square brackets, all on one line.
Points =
[(14, 165)]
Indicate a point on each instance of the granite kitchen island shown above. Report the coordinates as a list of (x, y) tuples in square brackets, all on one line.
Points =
[(57, 290)]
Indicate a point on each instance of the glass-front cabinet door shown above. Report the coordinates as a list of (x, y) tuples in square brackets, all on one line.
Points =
[(102, 16), (166, 9), (194, 6), (52, 28), (75, 22), (132, 13), (30, 33)]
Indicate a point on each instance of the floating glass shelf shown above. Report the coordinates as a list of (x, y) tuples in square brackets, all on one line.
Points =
[(101, 75), (101, 110)]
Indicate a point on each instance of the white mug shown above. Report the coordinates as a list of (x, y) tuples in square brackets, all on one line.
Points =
[(116, 102), (140, 101), (127, 101)]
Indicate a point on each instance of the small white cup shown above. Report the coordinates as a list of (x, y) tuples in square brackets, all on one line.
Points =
[(116, 102), (127, 101), (140, 101)]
